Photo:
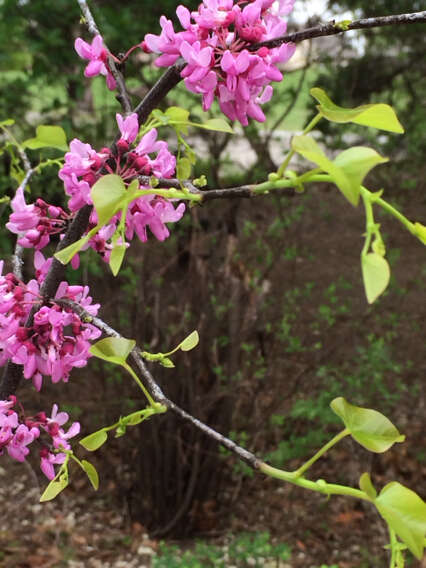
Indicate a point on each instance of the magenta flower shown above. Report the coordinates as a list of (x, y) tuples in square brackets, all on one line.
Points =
[(97, 56), (129, 127), (215, 44), (17, 447)]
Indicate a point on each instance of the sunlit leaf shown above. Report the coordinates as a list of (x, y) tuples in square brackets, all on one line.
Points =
[(66, 254), (177, 114), (216, 124), (367, 486), (47, 137), (376, 275), (368, 427), (108, 195), (92, 474), (94, 441), (113, 349), (53, 489), (116, 258), (381, 116), (183, 168), (309, 149), (190, 342), (356, 162), (405, 512)]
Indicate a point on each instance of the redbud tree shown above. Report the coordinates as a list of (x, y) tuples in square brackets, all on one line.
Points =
[(136, 188)]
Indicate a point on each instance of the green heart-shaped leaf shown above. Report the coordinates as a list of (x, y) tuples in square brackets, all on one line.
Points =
[(405, 513), (381, 116), (47, 137), (368, 427), (53, 489), (376, 275), (189, 342), (109, 196), (116, 258), (94, 441), (356, 162), (113, 349), (92, 474)]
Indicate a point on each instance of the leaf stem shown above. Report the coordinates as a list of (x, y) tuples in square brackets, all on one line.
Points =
[(289, 156), (321, 452)]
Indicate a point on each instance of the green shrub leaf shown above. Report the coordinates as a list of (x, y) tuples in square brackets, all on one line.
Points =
[(190, 342), (368, 427), (379, 116), (367, 486), (216, 124), (66, 254), (116, 258), (405, 513), (53, 489), (47, 137), (356, 162), (108, 195), (113, 349), (376, 275), (92, 474), (94, 441)]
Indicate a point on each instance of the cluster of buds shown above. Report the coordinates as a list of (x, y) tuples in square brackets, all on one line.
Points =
[(16, 433)]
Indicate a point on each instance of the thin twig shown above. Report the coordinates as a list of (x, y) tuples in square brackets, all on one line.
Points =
[(122, 97), (333, 28), (158, 394)]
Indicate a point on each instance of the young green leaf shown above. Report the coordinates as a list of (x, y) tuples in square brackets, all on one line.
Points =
[(47, 137), (376, 275), (177, 114), (379, 116), (309, 149), (367, 486), (189, 342), (108, 195), (183, 168), (116, 258), (405, 513), (356, 162), (94, 441), (166, 362), (7, 122), (66, 254), (113, 349), (53, 489), (216, 124), (92, 474), (368, 427)]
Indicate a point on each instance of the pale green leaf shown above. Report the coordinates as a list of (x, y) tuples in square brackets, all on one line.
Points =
[(190, 342), (375, 274), (166, 362), (183, 168), (216, 124), (405, 513), (113, 349), (381, 116), (53, 489), (367, 486), (356, 162), (94, 441), (66, 254), (116, 258), (7, 122), (309, 149), (108, 195), (47, 137), (368, 427), (177, 114), (92, 474)]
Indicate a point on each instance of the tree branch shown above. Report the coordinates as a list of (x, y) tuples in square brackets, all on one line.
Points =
[(334, 28), (158, 394), (122, 96)]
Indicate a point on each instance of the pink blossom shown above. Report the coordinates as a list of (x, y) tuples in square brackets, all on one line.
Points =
[(129, 127), (97, 56), (17, 447)]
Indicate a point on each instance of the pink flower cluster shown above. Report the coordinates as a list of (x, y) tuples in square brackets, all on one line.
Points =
[(150, 157), (57, 339), (17, 434), (214, 43), (97, 56), (35, 223)]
